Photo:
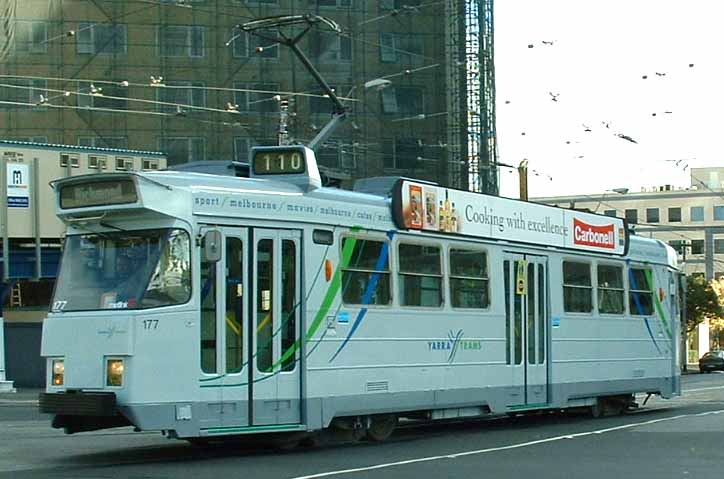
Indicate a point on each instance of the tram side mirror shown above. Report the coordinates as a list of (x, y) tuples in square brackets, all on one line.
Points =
[(211, 246)]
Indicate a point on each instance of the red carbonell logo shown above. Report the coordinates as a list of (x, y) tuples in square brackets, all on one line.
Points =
[(590, 235)]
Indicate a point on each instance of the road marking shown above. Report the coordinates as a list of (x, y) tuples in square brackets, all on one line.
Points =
[(504, 448), (702, 389)]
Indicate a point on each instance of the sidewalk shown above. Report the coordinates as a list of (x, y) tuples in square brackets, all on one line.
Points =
[(23, 396)]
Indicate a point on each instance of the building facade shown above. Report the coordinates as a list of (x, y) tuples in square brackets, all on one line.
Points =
[(181, 77), (691, 220)]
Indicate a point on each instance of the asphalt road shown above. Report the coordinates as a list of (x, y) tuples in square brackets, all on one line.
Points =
[(679, 438)]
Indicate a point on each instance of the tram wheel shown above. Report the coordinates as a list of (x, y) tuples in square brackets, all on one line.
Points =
[(381, 427)]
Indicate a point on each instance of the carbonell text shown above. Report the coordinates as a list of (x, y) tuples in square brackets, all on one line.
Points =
[(590, 235)]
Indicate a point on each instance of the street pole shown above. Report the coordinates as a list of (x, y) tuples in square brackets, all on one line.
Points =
[(5, 385)]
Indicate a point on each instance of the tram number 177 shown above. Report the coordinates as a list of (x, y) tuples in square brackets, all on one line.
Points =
[(150, 324)]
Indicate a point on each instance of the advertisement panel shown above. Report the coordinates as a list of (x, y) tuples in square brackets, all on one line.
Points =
[(18, 184), (420, 206)]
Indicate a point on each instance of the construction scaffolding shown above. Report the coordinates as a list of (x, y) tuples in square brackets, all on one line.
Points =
[(472, 149), (215, 91)]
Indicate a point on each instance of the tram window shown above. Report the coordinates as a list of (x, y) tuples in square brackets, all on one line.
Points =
[(289, 305), (264, 301), (323, 237), (234, 305), (610, 289), (420, 275), (366, 279), (469, 283), (208, 316), (640, 298), (577, 289)]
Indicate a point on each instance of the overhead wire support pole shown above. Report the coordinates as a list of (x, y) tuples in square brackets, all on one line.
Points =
[(258, 27)]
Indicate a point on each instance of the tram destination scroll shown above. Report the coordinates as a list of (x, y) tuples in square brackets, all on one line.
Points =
[(98, 193)]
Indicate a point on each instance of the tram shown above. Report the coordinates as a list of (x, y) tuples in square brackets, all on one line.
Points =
[(206, 306)]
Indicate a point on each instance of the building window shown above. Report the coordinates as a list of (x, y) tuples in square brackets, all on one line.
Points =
[(697, 246), (406, 48), (675, 215), (110, 96), (330, 3), (101, 38), (124, 163), (22, 93), (403, 100), (331, 47), (320, 103), (610, 213), (420, 275), (366, 279), (402, 153), (97, 162), (183, 149), (719, 246), (241, 149), (329, 155), (632, 216), (397, 4), (678, 246), (150, 164), (247, 45), (31, 139), (117, 142), (610, 289), (469, 286), (181, 41), (719, 213), (577, 288), (30, 37), (178, 94), (641, 299), (652, 215), (258, 97), (72, 159), (697, 213)]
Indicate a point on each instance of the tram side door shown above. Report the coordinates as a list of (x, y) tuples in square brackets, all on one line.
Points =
[(526, 326), (224, 352), (275, 395)]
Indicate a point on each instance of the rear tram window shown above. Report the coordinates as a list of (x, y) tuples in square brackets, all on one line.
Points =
[(640, 297), (610, 289), (366, 279), (469, 279), (577, 289), (420, 275)]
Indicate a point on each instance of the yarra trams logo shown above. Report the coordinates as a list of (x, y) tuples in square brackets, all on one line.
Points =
[(455, 343)]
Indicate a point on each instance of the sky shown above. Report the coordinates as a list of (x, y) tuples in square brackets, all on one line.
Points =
[(591, 77)]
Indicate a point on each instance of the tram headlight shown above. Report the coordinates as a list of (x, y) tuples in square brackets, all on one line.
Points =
[(114, 372), (58, 368)]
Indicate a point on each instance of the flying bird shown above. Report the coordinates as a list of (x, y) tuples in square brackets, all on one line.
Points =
[(626, 137), (547, 42), (659, 74), (554, 96), (586, 128)]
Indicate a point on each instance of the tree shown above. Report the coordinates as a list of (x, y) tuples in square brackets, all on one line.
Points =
[(701, 302), (717, 325)]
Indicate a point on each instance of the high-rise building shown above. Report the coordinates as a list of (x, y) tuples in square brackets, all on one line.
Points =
[(180, 77)]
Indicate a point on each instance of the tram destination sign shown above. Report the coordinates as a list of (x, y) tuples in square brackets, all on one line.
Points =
[(279, 160), (98, 193), (425, 207)]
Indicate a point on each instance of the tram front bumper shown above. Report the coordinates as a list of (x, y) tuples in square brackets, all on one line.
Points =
[(78, 411)]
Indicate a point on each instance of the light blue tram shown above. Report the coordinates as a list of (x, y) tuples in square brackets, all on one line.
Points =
[(209, 306)]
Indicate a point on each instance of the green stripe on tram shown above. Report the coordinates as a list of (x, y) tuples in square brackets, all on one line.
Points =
[(327, 302), (657, 302)]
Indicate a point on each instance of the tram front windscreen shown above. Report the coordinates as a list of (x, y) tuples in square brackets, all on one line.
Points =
[(124, 270)]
